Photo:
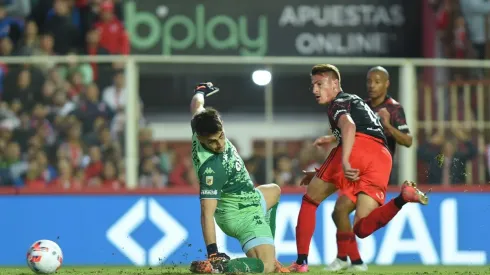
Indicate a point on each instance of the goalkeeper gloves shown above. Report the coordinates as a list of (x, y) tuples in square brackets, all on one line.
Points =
[(206, 89)]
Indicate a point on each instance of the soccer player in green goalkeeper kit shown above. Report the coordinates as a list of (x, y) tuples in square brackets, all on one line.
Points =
[(228, 196)]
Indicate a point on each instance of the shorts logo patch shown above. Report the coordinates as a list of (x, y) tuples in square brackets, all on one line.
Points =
[(380, 196), (209, 180)]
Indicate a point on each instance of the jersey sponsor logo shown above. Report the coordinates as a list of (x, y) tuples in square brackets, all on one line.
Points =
[(403, 127), (209, 180), (209, 170), (209, 192)]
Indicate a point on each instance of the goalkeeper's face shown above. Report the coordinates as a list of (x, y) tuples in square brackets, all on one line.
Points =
[(214, 142)]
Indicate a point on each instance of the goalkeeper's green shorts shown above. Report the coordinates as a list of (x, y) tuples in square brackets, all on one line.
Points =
[(247, 223)]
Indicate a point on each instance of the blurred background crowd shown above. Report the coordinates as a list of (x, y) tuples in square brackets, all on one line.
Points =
[(62, 125)]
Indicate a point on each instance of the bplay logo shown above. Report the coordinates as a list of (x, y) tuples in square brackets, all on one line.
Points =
[(178, 32)]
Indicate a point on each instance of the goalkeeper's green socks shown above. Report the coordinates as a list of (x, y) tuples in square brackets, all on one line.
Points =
[(270, 218), (244, 265)]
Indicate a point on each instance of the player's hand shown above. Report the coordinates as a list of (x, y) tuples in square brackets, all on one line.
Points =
[(218, 257), (206, 89), (307, 177), (350, 173), (385, 116), (324, 141)]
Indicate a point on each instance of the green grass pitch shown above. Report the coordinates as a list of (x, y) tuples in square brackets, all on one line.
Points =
[(416, 269)]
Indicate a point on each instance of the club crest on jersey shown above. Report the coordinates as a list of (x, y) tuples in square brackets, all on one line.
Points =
[(209, 180)]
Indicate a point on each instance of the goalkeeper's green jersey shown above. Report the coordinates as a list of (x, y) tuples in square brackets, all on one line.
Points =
[(223, 176)]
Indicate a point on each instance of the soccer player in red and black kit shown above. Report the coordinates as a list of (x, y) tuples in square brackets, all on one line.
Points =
[(359, 166), (397, 132)]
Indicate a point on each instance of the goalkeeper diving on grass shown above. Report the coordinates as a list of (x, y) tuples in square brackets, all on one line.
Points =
[(228, 196)]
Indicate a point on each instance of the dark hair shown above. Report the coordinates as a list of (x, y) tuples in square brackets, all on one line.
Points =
[(207, 122)]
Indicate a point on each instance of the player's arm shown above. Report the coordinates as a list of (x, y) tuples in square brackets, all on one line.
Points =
[(208, 207), (212, 177), (401, 138), (200, 91), (398, 128), (348, 131), (197, 103)]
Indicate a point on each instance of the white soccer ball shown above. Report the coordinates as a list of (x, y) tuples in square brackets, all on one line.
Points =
[(44, 257)]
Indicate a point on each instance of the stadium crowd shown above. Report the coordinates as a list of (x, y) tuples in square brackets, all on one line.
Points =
[(62, 125)]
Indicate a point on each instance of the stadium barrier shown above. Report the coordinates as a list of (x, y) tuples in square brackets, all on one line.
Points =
[(151, 227)]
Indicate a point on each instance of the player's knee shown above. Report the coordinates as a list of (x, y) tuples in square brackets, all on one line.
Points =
[(358, 232), (277, 191), (272, 192)]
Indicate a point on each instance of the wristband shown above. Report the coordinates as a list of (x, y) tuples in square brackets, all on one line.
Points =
[(212, 249)]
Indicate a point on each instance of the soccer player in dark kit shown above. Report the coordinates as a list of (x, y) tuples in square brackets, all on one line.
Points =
[(359, 166), (396, 131)]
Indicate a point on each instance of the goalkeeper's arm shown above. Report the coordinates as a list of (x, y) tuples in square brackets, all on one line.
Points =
[(197, 103), (202, 90)]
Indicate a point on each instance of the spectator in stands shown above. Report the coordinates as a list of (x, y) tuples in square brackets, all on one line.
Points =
[(95, 166), (91, 107), (115, 95), (13, 162), (165, 157), (72, 149), (475, 12), (24, 92), (110, 176), (66, 34), (32, 178), (30, 40), (47, 171), (283, 174), (92, 47), (66, 178), (9, 27), (113, 36), (446, 162), (61, 105), (6, 46), (111, 149), (45, 49), (150, 176), (47, 92), (258, 161)]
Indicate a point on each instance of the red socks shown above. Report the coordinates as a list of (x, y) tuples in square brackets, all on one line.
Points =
[(343, 244), (354, 255), (306, 225), (376, 219), (347, 247)]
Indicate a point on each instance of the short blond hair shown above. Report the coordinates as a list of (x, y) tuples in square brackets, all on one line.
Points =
[(326, 69)]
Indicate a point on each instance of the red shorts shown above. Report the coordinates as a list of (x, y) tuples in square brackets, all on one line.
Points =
[(371, 157)]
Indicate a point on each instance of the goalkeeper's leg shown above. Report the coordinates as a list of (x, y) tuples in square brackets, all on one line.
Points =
[(271, 194)]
